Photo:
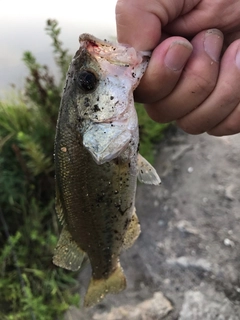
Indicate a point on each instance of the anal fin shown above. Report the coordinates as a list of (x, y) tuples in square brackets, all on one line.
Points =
[(98, 288), (133, 231), (68, 254), (146, 173)]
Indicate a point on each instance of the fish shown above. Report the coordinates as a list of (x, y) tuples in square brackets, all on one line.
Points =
[(97, 162)]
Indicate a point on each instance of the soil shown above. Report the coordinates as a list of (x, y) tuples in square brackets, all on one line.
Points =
[(189, 246)]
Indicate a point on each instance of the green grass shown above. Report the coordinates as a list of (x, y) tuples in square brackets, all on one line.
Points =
[(150, 132)]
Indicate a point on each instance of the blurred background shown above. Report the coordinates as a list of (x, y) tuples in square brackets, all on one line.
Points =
[(22, 26), (38, 40), (188, 251)]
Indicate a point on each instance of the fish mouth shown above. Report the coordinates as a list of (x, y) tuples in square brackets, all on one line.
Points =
[(114, 53)]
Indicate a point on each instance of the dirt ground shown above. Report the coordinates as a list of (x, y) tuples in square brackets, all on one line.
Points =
[(189, 248)]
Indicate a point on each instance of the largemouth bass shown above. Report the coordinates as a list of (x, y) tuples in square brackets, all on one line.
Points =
[(97, 162)]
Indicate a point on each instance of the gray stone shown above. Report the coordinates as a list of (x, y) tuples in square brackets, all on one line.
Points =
[(191, 262), (151, 309), (182, 149), (155, 308), (209, 306), (186, 227), (229, 192)]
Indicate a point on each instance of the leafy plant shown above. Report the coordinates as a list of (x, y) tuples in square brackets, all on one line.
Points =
[(150, 132), (31, 286)]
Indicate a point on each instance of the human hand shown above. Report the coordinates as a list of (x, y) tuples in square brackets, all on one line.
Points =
[(187, 81)]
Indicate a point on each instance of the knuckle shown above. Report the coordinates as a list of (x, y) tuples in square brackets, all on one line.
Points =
[(232, 125), (202, 85), (229, 93), (158, 114)]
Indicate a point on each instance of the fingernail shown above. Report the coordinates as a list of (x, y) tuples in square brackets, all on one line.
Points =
[(177, 55), (213, 43), (237, 59)]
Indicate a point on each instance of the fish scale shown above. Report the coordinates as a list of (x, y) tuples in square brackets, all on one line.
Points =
[(92, 182)]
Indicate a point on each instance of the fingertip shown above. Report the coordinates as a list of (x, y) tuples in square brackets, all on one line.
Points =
[(177, 54), (213, 42)]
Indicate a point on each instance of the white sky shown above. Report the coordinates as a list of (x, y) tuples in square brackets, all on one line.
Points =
[(70, 9), (22, 24)]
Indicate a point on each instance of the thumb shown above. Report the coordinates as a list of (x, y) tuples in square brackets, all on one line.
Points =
[(140, 22)]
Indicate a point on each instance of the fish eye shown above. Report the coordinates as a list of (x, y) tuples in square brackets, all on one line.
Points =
[(87, 80)]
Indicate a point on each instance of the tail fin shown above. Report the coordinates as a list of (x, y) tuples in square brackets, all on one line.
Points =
[(98, 288)]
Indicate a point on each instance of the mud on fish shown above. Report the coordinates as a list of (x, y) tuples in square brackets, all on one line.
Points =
[(97, 162)]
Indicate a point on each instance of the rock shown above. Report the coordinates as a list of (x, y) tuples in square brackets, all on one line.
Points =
[(151, 309), (190, 170), (191, 262), (182, 149), (208, 306), (161, 223), (155, 308), (74, 313), (229, 192), (186, 227), (228, 243)]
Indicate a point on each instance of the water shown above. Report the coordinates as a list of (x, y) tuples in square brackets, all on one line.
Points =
[(22, 29)]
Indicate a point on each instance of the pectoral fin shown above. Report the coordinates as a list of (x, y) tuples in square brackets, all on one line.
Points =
[(98, 288), (146, 173), (105, 142), (67, 253)]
